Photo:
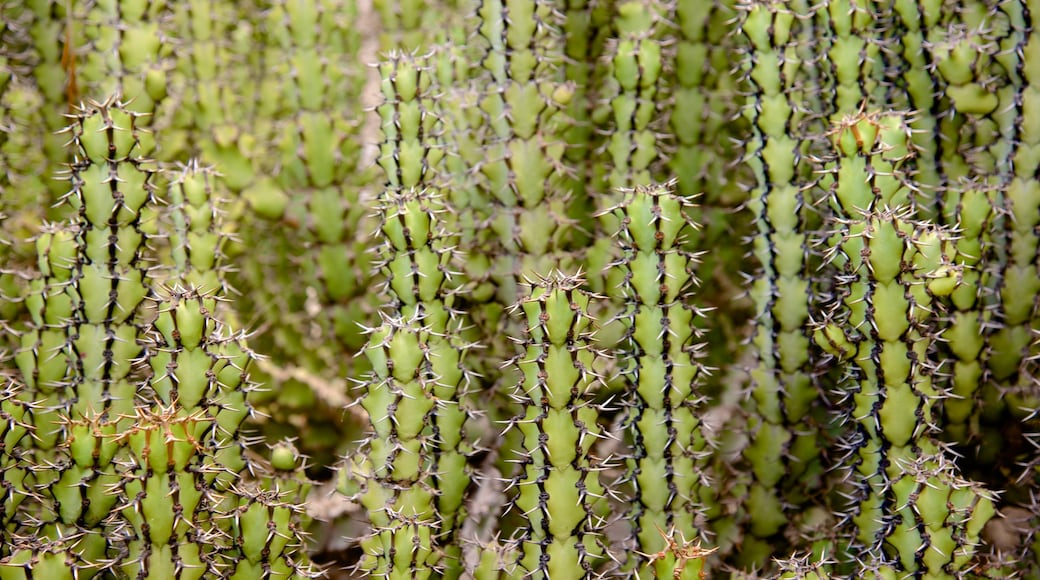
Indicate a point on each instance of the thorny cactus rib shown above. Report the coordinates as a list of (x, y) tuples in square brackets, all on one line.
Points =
[(78, 349), (413, 478), (965, 362), (193, 509), (782, 384), (558, 486), (305, 190), (670, 494), (120, 446), (911, 510)]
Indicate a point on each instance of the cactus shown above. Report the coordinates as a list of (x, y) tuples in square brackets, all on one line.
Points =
[(189, 289), (557, 488), (781, 377), (665, 379), (305, 190), (880, 322), (128, 413)]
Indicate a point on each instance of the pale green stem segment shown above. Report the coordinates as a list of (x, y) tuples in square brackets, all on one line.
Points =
[(80, 344), (415, 475), (704, 114), (24, 180), (912, 510), (15, 460), (523, 97), (1012, 345), (782, 453), (192, 504), (671, 497), (705, 97), (415, 386), (557, 493), (524, 142)]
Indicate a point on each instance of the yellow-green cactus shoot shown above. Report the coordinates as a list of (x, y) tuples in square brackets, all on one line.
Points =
[(414, 399), (783, 392), (667, 467), (557, 492), (882, 326)]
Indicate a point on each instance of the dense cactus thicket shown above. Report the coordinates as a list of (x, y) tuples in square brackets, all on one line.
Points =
[(519, 288)]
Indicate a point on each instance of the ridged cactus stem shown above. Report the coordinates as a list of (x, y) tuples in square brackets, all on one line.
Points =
[(307, 217), (524, 97), (524, 141), (915, 21), (911, 510), (637, 146), (667, 470), (586, 26), (192, 507), (15, 459), (418, 452), (705, 105), (630, 103), (705, 98), (78, 350), (782, 387), (1009, 362), (199, 234), (558, 489)]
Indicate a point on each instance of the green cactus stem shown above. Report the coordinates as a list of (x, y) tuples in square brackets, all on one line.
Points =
[(783, 392), (664, 376), (305, 221), (78, 348), (911, 509), (15, 462), (557, 490), (417, 453)]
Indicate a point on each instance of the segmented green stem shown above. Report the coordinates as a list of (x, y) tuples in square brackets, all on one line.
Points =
[(558, 486), (668, 465), (417, 453), (78, 349), (782, 387), (912, 511)]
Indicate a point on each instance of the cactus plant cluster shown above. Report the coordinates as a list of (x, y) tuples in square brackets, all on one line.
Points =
[(519, 288)]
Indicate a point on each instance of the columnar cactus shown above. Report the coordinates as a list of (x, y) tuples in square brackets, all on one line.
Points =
[(524, 144), (197, 212), (557, 490), (186, 446), (636, 147), (667, 469), (524, 97), (417, 453), (634, 88), (877, 159), (705, 119), (705, 101), (781, 377), (911, 509), (78, 349)]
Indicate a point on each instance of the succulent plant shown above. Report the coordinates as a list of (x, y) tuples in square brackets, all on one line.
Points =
[(671, 495), (557, 487), (248, 219)]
